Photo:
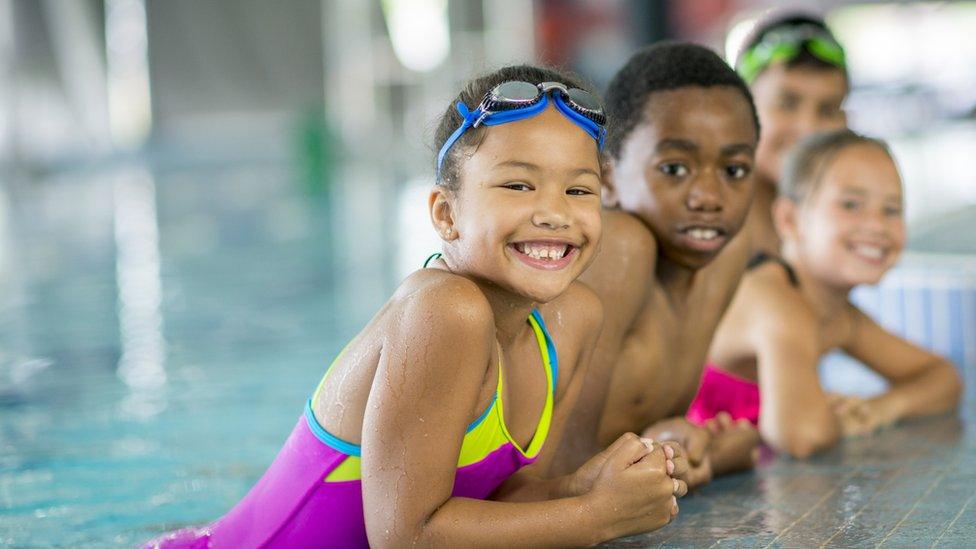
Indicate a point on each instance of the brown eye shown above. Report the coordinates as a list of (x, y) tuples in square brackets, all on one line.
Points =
[(578, 191), (673, 169), (518, 186), (737, 171)]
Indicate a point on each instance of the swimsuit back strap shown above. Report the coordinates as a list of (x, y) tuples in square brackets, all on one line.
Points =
[(762, 257)]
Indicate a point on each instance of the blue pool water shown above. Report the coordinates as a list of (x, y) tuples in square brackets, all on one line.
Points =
[(161, 330)]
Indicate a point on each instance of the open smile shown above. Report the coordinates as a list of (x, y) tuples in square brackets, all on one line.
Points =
[(703, 238), (870, 253), (548, 255)]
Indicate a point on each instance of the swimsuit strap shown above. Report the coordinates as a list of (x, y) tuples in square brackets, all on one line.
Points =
[(763, 257), (550, 362), (433, 256)]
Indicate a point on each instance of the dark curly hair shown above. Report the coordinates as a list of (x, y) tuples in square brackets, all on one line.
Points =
[(660, 67)]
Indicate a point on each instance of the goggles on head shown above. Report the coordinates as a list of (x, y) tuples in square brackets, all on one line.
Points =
[(516, 100), (784, 44)]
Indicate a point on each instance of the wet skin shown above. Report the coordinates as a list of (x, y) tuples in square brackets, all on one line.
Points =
[(792, 103), (428, 363), (687, 167), (849, 231)]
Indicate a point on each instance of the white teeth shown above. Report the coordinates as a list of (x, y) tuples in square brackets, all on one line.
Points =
[(542, 251), (703, 234), (870, 252)]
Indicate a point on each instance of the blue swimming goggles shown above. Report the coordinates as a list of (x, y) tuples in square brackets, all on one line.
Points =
[(515, 100)]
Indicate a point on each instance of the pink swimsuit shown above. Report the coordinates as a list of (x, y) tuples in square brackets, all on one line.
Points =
[(312, 496), (721, 391)]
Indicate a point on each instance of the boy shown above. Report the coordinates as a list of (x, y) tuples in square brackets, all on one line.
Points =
[(681, 146), (797, 73)]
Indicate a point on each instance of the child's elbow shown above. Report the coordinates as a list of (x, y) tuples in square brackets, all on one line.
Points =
[(954, 386), (802, 447), (801, 441)]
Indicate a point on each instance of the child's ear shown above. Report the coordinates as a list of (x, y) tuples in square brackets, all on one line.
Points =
[(785, 217), (608, 191), (442, 213)]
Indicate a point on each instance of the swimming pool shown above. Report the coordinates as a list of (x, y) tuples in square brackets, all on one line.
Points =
[(159, 334)]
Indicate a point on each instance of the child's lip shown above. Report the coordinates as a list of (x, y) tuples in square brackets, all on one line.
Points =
[(545, 264)]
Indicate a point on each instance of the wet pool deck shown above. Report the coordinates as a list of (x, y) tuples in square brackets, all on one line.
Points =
[(912, 486)]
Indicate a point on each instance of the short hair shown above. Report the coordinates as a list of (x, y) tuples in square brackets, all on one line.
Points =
[(809, 160), (660, 67), (472, 94), (780, 19)]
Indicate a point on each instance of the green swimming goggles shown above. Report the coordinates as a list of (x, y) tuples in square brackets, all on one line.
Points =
[(786, 43)]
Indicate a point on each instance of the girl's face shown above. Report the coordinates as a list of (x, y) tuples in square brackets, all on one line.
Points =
[(526, 216), (851, 230)]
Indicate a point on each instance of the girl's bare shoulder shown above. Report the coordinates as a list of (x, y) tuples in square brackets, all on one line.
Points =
[(774, 300), (442, 300)]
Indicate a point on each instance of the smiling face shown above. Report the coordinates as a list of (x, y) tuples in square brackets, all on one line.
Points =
[(794, 102), (686, 170), (526, 216), (851, 230)]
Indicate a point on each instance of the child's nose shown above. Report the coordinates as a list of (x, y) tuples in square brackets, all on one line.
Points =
[(551, 211), (705, 192)]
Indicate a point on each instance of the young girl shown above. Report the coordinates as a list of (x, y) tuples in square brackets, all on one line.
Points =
[(840, 218), (453, 386)]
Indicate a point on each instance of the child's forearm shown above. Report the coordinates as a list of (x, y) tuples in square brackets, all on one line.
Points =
[(568, 522), (935, 390), (528, 487)]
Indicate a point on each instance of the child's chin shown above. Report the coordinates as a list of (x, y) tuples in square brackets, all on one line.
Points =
[(545, 294)]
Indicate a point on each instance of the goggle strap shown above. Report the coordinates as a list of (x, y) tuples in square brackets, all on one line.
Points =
[(470, 117)]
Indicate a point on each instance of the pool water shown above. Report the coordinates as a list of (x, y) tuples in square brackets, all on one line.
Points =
[(159, 334)]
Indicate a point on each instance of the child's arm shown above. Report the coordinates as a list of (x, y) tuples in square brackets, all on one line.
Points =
[(796, 416), (431, 371), (922, 383)]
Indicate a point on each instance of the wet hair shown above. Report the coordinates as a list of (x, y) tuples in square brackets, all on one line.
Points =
[(661, 67), (808, 161), (785, 19), (471, 95)]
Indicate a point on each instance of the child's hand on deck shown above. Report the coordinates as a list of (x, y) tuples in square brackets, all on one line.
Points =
[(633, 485), (735, 444), (694, 440), (858, 416)]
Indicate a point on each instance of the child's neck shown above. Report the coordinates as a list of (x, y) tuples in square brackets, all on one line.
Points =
[(826, 300), (676, 280), (511, 311)]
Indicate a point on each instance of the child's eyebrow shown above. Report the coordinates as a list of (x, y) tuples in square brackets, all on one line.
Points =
[(518, 164), (850, 189), (680, 144), (535, 168), (738, 148)]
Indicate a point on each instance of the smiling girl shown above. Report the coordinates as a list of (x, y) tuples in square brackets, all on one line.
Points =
[(840, 218), (457, 382)]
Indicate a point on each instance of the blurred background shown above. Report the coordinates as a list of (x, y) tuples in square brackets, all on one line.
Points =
[(201, 201)]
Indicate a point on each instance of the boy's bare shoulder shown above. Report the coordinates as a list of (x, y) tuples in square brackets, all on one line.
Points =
[(627, 236), (625, 262), (579, 305)]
